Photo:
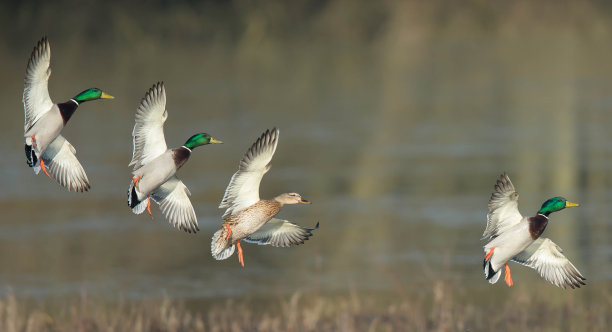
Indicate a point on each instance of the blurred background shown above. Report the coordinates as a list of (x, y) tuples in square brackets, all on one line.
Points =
[(396, 119)]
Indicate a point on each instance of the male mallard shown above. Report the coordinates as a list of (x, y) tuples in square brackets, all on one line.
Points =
[(517, 238), (247, 217), (45, 148), (155, 165)]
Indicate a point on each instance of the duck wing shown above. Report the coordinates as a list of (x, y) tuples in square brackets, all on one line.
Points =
[(243, 189), (173, 199), (148, 134), (546, 257), (280, 233), (503, 208), (36, 100), (63, 165)]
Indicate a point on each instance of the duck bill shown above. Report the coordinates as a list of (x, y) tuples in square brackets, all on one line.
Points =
[(106, 96), (570, 204), (212, 140), (303, 201)]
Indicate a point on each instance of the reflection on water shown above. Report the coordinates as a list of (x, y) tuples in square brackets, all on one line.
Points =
[(397, 137)]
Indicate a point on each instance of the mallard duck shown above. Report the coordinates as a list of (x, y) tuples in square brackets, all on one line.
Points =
[(45, 148), (155, 165), (517, 238), (249, 218)]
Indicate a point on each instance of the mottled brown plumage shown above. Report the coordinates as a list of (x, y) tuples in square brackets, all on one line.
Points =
[(249, 220), (248, 217)]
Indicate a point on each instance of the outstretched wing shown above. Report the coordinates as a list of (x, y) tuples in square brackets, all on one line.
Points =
[(546, 257), (62, 164), (173, 200), (148, 133), (503, 208), (243, 189), (280, 233), (36, 100)]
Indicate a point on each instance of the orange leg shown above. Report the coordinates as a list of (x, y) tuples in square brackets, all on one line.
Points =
[(149, 206), (489, 254), (135, 180), (42, 165), (229, 229), (508, 276), (240, 257)]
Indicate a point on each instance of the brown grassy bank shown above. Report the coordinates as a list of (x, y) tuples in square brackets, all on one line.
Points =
[(440, 308)]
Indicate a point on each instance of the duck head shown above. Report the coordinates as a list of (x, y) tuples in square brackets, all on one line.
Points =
[(91, 94), (555, 204), (290, 198), (200, 139)]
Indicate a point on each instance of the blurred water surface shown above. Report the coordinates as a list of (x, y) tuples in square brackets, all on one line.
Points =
[(396, 119)]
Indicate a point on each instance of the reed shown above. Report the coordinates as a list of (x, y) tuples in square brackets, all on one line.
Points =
[(441, 307)]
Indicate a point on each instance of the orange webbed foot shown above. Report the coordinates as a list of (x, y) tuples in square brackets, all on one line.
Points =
[(149, 206), (489, 254), (42, 165), (136, 180), (240, 256), (229, 231), (508, 276)]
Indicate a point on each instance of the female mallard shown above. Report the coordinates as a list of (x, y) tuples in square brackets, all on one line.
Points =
[(247, 217), (517, 238), (155, 165), (45, 148)]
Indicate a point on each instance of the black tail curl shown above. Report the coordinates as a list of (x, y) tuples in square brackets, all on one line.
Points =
[(31, 158)]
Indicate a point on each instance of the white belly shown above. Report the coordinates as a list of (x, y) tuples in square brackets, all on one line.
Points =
[(509, 244), (154, 174), (46, 129)]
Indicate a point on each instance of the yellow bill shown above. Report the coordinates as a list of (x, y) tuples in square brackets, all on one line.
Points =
[(570, 204)]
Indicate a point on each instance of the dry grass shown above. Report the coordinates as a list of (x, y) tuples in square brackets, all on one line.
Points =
[(436, 309)]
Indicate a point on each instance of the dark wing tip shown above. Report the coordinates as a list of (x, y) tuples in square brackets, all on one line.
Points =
[(189, 230), (157, 88), (153, 93), (269, 137), (41, 47), (504, 179), (502, 185)]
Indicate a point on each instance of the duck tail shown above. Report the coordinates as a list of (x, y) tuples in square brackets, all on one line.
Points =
[(220, 247), (491, 275), (136, 205), (32, 158)]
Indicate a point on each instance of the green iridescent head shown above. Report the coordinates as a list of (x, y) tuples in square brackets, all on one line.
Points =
[(200, 139), (555, 204), (92, 94)]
